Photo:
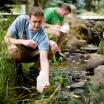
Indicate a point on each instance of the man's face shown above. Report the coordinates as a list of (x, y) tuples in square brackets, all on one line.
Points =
[(63, 12), (35, 22)]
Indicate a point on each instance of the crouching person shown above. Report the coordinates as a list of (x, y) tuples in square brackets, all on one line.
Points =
[(27, 41)]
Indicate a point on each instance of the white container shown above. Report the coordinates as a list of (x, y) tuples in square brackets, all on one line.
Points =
[(64, 28), (41, 82)]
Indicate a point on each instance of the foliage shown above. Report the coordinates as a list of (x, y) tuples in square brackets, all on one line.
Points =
[(4, 5), (57, 59), (6, 78), (4, 24), (99, 8), (6, 70), (80, 6), (78, 3), (41, 3), (97, 32), (101, 47)]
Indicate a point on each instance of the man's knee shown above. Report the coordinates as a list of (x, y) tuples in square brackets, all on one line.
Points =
[(13, 53), (54, 47)]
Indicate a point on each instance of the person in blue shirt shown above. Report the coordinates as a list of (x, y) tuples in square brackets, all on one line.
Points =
[(27, 41)]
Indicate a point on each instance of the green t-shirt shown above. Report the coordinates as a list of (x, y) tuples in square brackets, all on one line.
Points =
[(51, 16)]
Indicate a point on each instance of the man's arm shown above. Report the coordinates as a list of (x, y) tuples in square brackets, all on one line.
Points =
[(10, 40), (44, 64)]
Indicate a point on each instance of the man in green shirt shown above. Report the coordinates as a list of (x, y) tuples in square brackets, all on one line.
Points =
[(52, 16), (54, 19)]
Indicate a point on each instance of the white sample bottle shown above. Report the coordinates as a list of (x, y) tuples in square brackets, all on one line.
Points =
[(41, 81), (65, 28)]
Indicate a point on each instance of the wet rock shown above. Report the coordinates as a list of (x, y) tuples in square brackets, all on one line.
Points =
[(94, 61), (78, 85), (98, 78), (75, 76), (76, 42), (90, 48)]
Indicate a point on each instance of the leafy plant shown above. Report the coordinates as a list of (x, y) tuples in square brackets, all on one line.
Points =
[(101, 47), (56, 59)]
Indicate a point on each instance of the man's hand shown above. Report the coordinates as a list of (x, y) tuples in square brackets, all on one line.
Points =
[(45, 89), (30, 43), (42, 82)]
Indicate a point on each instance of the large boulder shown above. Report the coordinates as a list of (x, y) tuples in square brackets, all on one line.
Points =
[(94, 61), (98, 78), (78, 31)]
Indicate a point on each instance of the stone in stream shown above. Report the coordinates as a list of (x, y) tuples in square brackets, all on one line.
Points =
[(94, 61), (90, 48), (80, 84), (98, 78)]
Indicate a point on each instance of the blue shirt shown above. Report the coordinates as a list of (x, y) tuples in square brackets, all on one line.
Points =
[(19, 29)]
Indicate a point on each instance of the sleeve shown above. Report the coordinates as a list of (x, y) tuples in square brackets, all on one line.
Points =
[(13, 29), (17, 26), (43, 42)]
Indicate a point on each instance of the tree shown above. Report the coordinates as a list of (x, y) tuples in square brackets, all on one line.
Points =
[(41, 3)]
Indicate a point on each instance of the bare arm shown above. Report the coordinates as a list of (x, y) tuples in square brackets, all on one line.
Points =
[(10, 40), (44, 64)]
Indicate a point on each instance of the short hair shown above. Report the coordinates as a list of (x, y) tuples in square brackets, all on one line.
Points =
[(65, 6), (36, 11)]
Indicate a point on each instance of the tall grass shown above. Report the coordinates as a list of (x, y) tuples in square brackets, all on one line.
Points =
[(7, 96), (6, 79)]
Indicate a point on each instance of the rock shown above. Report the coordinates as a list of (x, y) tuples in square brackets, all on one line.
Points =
[(79, 33), (78, 85), (99, 69), (98, 78), (77, 43), (94, 61), (90, 48)]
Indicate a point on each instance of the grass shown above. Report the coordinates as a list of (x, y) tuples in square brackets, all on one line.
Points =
[(6, 79)]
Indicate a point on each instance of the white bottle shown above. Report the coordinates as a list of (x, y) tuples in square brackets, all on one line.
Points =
[(41, 81), (65, 28)]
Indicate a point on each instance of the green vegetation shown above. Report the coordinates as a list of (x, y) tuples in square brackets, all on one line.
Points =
[(101, 47), (57, 94), (99, 8), (7, 74)]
